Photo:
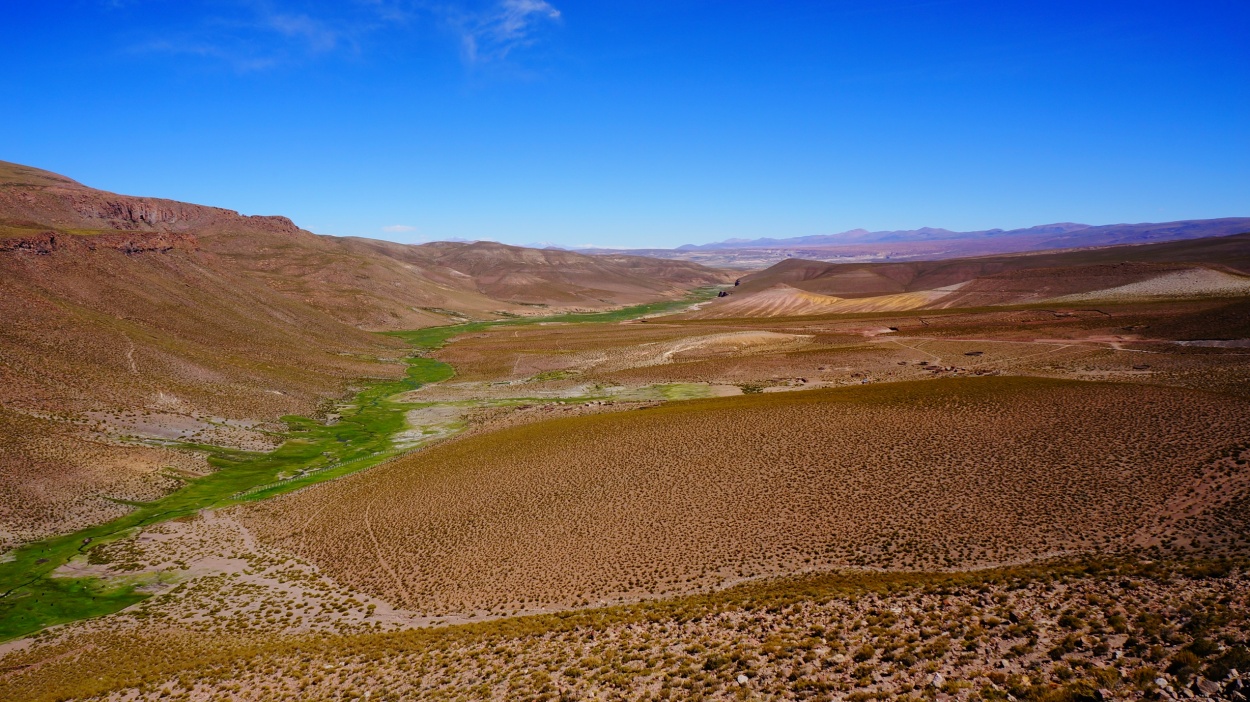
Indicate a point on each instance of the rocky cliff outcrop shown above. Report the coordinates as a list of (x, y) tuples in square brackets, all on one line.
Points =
[(129, 243), (29, 196), (137, 213), (39, 244)]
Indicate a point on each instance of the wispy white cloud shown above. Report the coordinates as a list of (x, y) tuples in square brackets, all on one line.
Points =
[(393, 11), (398, 228), (260, 34), (509, 25), (316, 35), (252, 35)]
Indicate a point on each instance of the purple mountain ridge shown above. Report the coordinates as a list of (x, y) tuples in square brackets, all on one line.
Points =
[(1058, 235)]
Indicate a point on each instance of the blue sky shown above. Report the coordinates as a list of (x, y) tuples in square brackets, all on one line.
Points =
[(645, 123)]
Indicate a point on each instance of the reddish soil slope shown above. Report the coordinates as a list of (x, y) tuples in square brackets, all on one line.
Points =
[(549, 277), (179, 313)]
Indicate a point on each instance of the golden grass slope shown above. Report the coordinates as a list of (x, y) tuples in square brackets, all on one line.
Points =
[(947, 474), (1074, 284), (986, 280), (777, 301), (784, 301)]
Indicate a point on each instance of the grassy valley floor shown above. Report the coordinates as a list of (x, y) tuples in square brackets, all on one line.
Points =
[(33, 596)]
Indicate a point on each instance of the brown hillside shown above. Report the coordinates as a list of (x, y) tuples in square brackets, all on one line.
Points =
[(117, 307), (42, 213), (93, 331), (563, 278), (1038, 284), (365, 283)]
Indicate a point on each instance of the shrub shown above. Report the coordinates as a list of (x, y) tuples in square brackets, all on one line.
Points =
[(864, 653), (1185, 664)]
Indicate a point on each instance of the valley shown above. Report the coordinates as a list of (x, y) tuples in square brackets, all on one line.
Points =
[(243, 461), (552, 433), (371, 429), (536, 351)]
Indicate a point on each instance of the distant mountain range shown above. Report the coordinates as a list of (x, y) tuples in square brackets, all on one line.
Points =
[(1061, 234), (928, 243), (859, 236)]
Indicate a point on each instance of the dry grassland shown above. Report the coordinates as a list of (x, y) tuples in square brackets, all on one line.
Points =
[(1125, 342), (211, 577), (817, 363), (55, 479), (1054, 633), (953, 474), (512, 353), (560, 495)]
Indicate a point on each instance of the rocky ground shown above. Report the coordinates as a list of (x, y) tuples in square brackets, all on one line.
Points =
[(1076, 630)]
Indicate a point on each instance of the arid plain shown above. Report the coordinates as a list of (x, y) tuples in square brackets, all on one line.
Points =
[(614, 478)]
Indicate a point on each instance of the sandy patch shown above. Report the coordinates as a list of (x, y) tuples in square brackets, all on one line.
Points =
[(226, 579), (168, 426), (429, 424)]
